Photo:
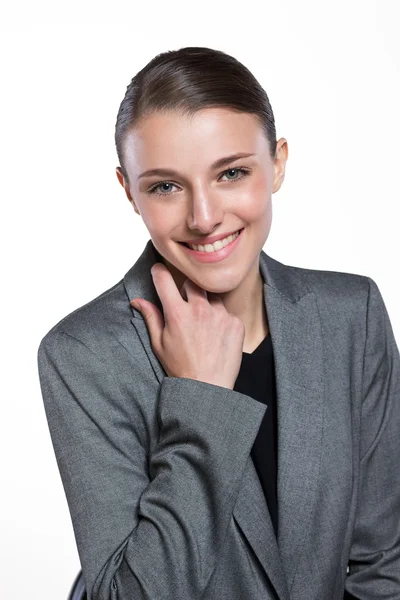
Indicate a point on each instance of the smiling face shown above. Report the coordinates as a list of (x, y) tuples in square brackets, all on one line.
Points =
[(192, 198)]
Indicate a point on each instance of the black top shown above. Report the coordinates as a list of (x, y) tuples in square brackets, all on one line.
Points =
[(257, 379)]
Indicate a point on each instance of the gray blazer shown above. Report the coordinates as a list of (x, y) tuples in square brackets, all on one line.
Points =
[(164, 498)]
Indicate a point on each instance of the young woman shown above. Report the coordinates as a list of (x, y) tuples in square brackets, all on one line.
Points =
[(225, 426)]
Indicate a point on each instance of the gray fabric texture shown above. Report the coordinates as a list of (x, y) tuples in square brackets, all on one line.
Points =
[(164, 498)]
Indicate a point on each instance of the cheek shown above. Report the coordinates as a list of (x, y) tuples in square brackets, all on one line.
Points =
[(257, 203), (158, 220)]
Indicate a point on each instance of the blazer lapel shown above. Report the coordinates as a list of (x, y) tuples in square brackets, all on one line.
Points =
[(295, 330), (252, 515), (296, 336)]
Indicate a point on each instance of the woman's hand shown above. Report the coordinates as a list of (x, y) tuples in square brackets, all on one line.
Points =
[(197, 338)]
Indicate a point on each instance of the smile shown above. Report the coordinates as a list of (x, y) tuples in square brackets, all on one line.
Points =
[(216, 245), (216, 251)]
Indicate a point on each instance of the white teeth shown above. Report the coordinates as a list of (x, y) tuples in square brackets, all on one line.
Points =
[(216, 245)]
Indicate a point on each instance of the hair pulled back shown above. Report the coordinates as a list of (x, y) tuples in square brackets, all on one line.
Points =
[(186, 81)]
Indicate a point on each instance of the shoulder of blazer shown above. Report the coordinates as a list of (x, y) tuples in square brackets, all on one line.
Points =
[(331, 285), (97, 319)]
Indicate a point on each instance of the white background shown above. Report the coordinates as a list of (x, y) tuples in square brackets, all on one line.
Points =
[(331, 70)]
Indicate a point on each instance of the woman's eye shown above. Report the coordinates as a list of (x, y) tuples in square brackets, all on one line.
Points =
[(160, 185), (165, 192), (244, 172)]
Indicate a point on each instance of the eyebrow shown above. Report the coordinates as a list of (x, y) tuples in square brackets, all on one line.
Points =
[(221, 162)]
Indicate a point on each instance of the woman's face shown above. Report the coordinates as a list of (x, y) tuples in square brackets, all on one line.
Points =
[(198, 199)]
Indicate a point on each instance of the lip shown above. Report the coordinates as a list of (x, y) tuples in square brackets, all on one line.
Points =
[(217, 255), (209, 240)]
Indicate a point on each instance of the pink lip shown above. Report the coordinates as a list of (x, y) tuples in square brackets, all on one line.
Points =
[(211, 239), (215, 256)]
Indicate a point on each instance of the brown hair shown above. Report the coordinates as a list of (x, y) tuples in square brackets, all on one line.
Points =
[(188, 80)]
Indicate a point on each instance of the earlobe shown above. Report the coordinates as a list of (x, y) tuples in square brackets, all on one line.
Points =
[(281, 156), (120, 176), (278, 180), (123, 182), (135, 208)]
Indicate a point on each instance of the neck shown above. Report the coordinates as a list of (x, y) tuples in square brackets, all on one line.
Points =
[(247, 303)]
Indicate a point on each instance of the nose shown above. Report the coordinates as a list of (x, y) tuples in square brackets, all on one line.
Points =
[(206, 210)]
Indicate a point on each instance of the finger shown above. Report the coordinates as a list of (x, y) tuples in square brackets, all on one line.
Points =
[(215, 299), (191, 291), (183, 292), (166, 289), (153, 318)]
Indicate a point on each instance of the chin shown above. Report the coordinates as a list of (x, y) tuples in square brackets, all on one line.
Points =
[(217, 287)]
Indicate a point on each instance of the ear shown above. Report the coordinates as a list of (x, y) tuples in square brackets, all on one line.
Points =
[(281, 156), (125, 185)]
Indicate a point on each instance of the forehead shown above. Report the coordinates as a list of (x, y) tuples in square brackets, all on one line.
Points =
[(207, 134)]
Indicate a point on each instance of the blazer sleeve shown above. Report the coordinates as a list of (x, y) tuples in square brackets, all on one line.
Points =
[(146, 526), (374, 562)]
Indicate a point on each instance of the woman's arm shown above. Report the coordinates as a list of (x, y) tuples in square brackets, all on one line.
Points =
[(146, 527), (375, 550)]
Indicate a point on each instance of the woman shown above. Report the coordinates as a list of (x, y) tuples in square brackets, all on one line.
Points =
[(225, 426)]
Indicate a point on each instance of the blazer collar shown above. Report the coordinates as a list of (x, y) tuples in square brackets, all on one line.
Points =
[(296, 336)]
